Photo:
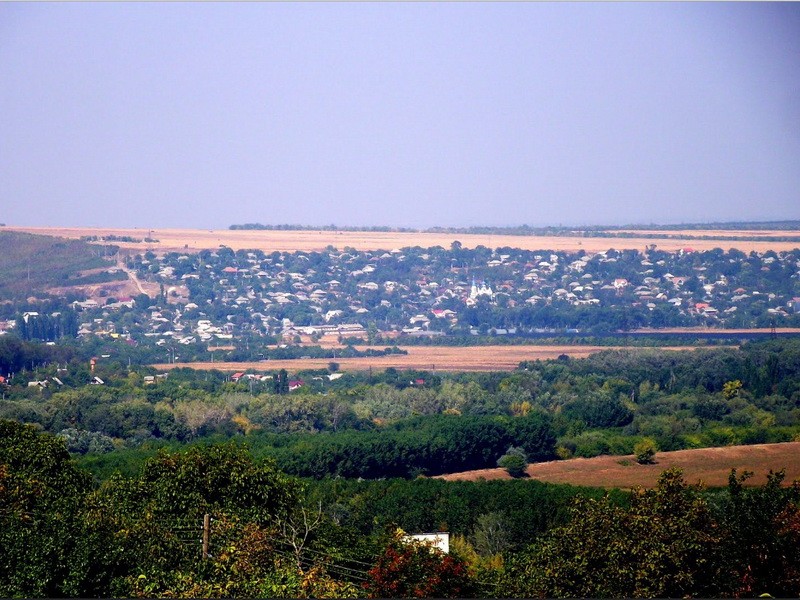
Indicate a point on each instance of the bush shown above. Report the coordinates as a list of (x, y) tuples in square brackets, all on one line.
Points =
[(415, 569), (514, 461), (645, 451), (591, 443)]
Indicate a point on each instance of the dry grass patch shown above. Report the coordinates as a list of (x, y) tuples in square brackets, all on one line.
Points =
[(711, 466)]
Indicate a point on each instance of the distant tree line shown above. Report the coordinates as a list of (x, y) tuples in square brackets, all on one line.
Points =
[(16, 355), (425, 445), (287, 227), (111, 238), (47, 327), (579, 230)]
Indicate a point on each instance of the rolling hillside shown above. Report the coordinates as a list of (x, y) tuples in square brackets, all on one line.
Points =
[(709, 465), (31, 263)]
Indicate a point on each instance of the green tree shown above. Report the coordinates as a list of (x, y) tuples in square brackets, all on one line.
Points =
[(761, 537), (731, 389), (664, 545), (645, 451), (45, 544), (515, 461), (491, 534), (282, 382), (155, 519)]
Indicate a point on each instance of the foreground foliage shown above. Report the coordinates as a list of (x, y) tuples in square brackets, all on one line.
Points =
[(61, 535), (671, 542), (44, 540), (414, 569), (664, 545)]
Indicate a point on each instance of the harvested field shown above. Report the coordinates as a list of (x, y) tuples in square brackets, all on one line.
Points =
[(711, 466), (194, 240), (428, 358)]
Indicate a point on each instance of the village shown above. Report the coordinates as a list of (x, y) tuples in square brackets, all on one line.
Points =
[(217, 299)]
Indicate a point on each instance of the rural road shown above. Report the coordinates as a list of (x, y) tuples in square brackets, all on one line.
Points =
[(132, 276)]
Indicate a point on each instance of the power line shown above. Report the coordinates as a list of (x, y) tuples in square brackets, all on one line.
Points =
[(334, 557), (340, 570)]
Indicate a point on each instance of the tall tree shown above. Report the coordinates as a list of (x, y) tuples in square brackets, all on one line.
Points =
[(44, 541), (664, 545)]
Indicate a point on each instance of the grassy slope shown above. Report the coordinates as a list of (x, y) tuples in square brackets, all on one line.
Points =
[(709, 465), (31, 263)]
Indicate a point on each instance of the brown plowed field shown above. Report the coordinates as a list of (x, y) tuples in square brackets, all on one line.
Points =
[(711, 466), (428, 358), (193, 240)]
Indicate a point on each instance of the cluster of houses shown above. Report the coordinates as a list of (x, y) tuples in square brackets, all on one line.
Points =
[(219, 296)]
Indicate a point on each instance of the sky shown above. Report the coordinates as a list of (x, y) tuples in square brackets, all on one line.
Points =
[(202, 115)]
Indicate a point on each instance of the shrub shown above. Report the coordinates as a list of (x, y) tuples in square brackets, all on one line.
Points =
[(415, 569), (514, 461), (645, 451)]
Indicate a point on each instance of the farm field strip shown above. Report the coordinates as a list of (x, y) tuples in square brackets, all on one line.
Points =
[(732, 331), (727, 233), (428, 358), (194, 240), (711, 466)]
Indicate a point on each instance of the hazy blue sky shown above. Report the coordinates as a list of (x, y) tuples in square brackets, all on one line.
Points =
[(406, 114)]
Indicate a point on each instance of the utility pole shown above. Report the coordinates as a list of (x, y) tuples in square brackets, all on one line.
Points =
[(206, 534)]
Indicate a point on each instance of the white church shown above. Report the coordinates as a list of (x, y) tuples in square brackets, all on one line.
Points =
[(483, 290)]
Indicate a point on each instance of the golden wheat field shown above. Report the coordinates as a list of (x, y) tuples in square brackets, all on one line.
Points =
[(711, 466), (194, 240), (427, 358)]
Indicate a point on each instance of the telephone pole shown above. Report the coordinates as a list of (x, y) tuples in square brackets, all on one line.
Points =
[(206, 534)]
